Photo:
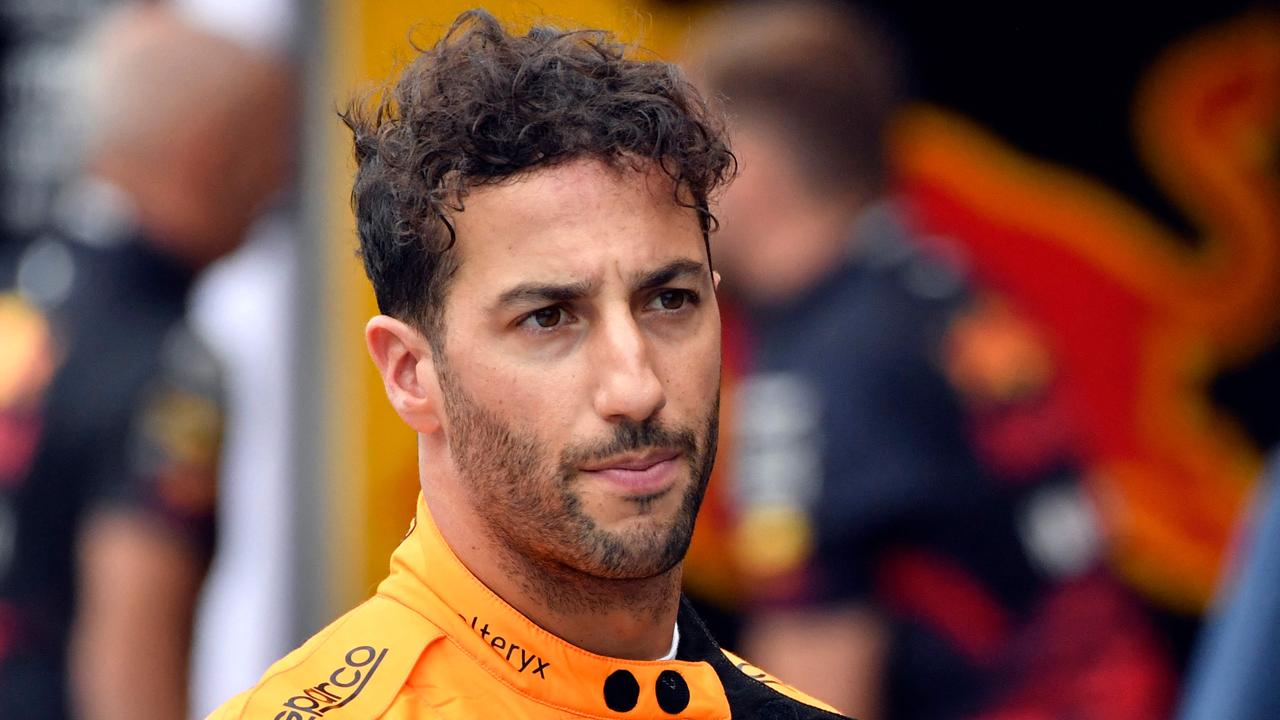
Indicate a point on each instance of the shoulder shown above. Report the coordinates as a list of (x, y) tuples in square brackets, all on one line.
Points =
[(798, 700), (354, 668), (908, 281)]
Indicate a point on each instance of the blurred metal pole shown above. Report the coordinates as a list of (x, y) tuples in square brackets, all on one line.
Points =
[(313, 580)]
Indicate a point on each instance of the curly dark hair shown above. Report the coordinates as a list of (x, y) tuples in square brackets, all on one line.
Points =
[(483, 105)]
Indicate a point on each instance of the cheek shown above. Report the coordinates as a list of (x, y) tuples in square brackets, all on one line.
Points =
[(695, 375), (530, 401), (706, 357)]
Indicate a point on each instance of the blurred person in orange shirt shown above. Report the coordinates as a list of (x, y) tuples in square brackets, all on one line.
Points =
[(912, 538), (110, 408)]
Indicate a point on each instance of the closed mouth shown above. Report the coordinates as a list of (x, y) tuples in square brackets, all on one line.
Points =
[(633, 461)]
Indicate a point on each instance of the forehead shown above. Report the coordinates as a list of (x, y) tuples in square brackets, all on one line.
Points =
[(579, 218)]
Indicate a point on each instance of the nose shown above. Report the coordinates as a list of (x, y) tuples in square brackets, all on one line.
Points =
[(627, 384)]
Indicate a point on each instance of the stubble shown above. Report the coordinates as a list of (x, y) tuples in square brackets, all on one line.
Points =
[(526, 497)]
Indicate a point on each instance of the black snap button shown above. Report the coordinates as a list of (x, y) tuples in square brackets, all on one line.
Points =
[(621, 691), (672, 691)]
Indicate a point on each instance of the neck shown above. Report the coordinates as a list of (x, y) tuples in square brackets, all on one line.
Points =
[(632, 619)]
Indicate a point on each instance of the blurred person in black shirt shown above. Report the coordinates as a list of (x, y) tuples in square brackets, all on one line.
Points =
[(910, 523), (110, 407)]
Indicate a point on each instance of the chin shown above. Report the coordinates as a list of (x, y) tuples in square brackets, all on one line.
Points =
[(626, 537), (652, 513), (642, 530), (636, 548)]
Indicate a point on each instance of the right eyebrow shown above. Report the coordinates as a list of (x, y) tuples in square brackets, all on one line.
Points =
[(536, 293)]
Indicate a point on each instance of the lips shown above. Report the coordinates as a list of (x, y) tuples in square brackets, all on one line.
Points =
[(634, 462), (646, 473)]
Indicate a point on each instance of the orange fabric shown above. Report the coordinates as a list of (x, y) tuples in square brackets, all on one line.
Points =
[(434, 642)]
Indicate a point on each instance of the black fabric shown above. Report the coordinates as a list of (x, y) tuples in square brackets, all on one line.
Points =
[(749, 698)]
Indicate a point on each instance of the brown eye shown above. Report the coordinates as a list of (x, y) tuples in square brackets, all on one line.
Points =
[(672, 299), (548, 317)]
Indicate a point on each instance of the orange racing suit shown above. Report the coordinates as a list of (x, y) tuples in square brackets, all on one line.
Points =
[(434, 642)]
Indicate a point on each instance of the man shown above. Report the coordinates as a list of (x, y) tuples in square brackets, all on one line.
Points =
[(914, 538), (110, 408), (533, 214)]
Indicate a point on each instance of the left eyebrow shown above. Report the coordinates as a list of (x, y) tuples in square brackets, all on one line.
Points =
[(678, 269)]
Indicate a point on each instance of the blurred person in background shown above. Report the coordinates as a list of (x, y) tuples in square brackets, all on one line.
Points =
[(110, 408), (913, 537)]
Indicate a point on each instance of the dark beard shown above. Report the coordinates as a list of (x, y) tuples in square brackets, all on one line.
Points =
[(528, 503)]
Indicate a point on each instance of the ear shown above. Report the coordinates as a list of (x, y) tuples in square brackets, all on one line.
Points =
[(715, 280), (404, 361)]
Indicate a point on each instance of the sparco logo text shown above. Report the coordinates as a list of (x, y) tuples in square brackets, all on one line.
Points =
[(343, 685)]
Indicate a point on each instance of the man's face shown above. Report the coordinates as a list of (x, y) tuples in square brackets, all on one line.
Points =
[(580, 369)]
